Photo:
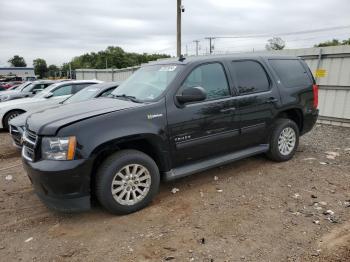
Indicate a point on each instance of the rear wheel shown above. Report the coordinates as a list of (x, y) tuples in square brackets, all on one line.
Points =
[(9, 116), (284, 140), (127, 181)]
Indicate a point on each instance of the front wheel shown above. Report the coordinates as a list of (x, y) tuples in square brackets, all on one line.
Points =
[(127, 181), (9, 116), (284, 140)]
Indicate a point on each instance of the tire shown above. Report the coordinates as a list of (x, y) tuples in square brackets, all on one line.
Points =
[(9, 116), (110, 171), (282, 152)]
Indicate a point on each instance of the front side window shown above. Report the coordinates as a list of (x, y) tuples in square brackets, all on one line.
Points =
[(148, 83), (212, 78), (250, 77)]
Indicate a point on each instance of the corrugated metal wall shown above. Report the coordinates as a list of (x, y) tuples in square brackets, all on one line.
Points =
[(105, 74), (334, 94)]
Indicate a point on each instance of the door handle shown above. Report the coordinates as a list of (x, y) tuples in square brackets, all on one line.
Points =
[(271, 100), (225, 110)]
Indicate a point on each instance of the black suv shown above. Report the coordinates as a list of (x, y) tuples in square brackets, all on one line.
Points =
[(170, 119)]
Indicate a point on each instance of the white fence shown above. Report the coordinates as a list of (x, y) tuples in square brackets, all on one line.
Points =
[(334, 94), (105, 74)]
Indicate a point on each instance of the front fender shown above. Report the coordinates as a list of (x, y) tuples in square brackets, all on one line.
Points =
[(106, 131)]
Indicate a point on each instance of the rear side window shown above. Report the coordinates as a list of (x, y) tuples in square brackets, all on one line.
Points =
[(291, 72), (78, 87), (63, 91), (212, 78), (250, 77)]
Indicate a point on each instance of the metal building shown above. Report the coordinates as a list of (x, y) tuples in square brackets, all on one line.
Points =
[(26, 73)]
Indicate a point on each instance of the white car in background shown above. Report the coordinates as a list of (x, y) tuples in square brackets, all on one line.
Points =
[(52, 95)]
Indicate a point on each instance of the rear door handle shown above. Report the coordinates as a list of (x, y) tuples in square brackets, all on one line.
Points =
[(225, 110), (271, 100)]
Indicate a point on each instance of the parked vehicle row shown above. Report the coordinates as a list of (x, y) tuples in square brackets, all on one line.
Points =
[(92, 90), (28, 89), (8, 85), (50, 94), (170, 119)]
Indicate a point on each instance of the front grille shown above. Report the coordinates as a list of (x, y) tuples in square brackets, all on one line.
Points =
[(30, 140)]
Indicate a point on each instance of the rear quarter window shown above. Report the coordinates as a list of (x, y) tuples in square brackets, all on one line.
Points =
[(291, 72)]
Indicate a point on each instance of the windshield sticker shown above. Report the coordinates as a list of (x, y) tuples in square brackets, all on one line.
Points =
[(167, 68)]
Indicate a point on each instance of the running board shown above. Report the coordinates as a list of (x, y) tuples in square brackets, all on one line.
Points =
[(203, 165)]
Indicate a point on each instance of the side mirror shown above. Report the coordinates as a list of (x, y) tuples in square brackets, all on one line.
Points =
[(192, 94), (48, 95)]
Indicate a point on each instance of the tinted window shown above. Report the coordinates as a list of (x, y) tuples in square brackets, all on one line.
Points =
[(291, 73), (77, 88), (63, 91), (250, 77), (212, 78)]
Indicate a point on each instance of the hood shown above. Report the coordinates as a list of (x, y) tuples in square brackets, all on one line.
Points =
[(9, 92), (16, 102), (49, 121), (16, 94)]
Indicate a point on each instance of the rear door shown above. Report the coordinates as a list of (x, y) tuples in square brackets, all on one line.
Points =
[(257, 100)]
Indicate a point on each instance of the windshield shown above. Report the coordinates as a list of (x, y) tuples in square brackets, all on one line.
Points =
[(85, 94), (28, 88), (22, 86), (147, 83)]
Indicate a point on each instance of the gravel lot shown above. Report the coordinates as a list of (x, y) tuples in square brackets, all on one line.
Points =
[(251, 210)]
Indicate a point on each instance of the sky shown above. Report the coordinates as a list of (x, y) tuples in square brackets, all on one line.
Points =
[(59, 30)]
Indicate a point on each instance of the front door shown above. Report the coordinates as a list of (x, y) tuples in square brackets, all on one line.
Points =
[(207, 128)]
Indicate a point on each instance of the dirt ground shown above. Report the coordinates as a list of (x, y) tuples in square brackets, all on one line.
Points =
[(251, 210)]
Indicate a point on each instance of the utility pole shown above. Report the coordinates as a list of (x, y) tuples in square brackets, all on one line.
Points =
[(197, 46), (210, 44), (180, 9), (106, 63), (70, 70)]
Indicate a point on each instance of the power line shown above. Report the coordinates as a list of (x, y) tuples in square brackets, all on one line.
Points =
[(287, 33)]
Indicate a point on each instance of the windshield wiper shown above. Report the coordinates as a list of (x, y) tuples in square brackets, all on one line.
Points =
[(131, 98)]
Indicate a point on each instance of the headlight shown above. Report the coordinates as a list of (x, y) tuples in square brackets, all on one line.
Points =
[(4, 98), (58, 148)]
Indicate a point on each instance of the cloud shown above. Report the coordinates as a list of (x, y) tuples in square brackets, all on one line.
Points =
[(59, 30)]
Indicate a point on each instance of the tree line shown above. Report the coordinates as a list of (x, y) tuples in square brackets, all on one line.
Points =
[(112, 57)]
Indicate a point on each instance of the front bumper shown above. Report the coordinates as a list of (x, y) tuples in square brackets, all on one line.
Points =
[(62, 185)]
